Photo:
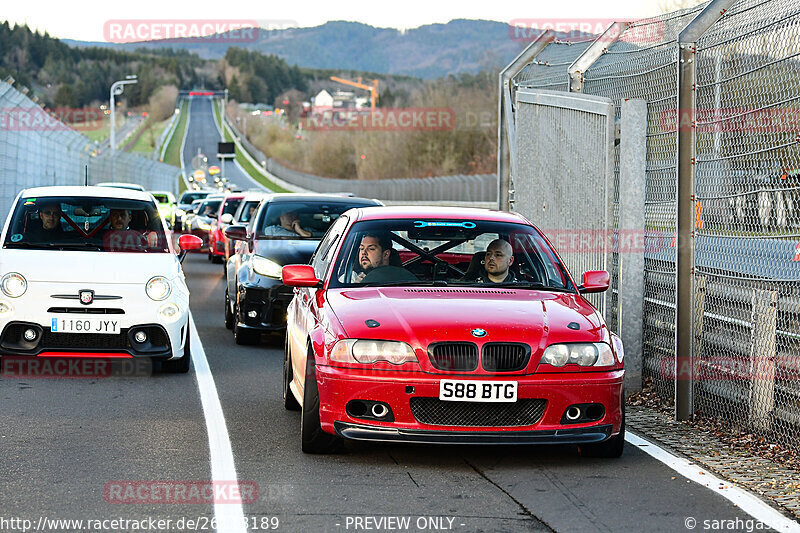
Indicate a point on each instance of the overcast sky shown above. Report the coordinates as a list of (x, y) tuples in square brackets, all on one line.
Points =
[(84, 20)]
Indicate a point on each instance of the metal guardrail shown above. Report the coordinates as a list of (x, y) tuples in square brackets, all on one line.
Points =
[(478, 189), (48, 152)]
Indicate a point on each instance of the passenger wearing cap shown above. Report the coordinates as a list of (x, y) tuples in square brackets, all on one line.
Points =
[(289, 227)]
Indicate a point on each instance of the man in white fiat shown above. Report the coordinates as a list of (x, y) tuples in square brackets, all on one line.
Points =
[(102, 288)]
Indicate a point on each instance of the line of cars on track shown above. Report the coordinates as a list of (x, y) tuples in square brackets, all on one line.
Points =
[(396, 326)]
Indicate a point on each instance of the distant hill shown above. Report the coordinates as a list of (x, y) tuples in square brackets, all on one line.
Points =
[(430, 51)]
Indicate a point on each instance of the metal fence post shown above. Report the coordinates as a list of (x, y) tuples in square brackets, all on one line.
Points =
[(687, 152), (631, 236), (762, 358), (591, 54), (505, 117)]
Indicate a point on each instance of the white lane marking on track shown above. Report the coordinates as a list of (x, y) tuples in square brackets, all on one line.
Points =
[(746, 501), (230, 516)]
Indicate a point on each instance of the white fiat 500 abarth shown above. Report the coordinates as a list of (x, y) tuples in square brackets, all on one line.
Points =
[(91, 270)]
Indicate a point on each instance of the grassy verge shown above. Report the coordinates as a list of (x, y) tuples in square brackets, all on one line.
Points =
[(173, 154), (97, 132), (245, 163), (146, 142)]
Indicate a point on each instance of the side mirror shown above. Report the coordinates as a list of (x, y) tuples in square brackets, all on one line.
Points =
[(594, 281), (227, 218), (237, 232), (188, 242), (299, 276)]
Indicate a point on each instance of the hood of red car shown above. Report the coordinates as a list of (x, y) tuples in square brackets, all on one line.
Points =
[(422, 315)]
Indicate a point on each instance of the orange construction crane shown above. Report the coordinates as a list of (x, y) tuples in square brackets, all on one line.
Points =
[(373, 89)]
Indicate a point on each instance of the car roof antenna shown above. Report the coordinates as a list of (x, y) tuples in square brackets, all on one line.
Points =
[(86, 175)]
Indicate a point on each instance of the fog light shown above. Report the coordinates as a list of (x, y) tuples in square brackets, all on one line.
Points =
[(30, 334), (140, 337), (252, 314), (169, 312)]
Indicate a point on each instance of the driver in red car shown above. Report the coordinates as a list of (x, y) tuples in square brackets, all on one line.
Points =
[(375, 258)]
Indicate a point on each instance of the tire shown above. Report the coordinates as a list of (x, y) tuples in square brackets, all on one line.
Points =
[(180, 366), (228, 312), (611, 448), (312, 438), (289, 401), (216, 259), (210, 255)]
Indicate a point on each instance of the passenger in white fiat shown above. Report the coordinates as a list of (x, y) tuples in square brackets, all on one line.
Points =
[(110, 284)]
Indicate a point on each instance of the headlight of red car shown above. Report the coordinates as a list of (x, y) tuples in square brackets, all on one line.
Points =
[(370, 351), (582, 354), (619, 350)]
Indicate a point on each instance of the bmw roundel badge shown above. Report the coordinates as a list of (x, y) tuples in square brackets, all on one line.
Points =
[(478, 332)]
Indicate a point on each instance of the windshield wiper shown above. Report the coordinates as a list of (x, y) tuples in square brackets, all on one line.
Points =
[(439, 283), (51, 245), (77, 246), (522, 285)]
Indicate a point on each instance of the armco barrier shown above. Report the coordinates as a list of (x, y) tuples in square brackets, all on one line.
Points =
[(480, 189)]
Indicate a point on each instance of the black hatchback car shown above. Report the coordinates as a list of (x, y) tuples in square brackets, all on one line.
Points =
[(285, 230)]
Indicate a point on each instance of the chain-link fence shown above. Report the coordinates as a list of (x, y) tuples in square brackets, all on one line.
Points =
[(747, 286), (37, 150), (745, 160)]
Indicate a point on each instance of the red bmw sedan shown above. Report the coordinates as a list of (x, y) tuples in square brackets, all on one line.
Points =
[(449, 325)]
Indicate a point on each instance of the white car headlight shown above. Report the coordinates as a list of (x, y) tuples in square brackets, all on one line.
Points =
[(158, 288), (372, 351), (13, 285), (5, 307), (202, 224), (582, 354), (265, 267)]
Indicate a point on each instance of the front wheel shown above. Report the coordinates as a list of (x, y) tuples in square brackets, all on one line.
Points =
[(228, 312), (289, 401), (242, 336), (611, 448), (312, 438)]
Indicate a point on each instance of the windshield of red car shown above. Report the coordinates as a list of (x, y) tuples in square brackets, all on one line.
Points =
[(447, 252), (86, 224)]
